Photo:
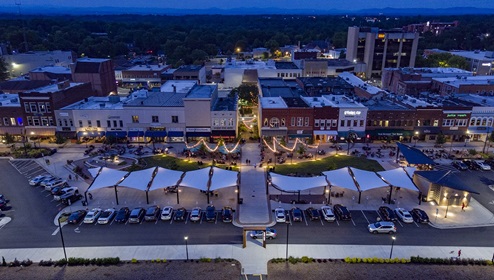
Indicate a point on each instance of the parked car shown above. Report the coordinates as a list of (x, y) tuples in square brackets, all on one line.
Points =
[(122, 215), (296, 214), (387, 214), (471, 165), (47, 180), (210, 213), (227, 214), (195, 214), (37, 180), (3, 202), (136, 215), (342, 212), (55, 183), (180, 215), (152, 213), (459, 165), (419, 215), (280, 215), (328, 214), (270, 234), (67, 190), (404, 215), (92, 216), (69, 199), (382, 227), (482, 165), (107, 216), (166, 213), (313, 213), (76, 216)]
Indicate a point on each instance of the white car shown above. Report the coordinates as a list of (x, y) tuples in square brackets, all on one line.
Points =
[(37, 180), (67, 190), (482, 165), (167, 213), (328, 214), (92, 216), (107, 216), (280, 215), (404, 215), (195, 214), (55, 183), (47, 180)]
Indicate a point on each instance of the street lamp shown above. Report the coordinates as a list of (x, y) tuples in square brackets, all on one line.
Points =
[(186, 247), (416, 138), (34, 141), (287, 232), (61, 236), (329, 197), (393, 238)]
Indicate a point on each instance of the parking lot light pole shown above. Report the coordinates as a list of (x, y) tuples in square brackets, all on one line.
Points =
[(393, 238), (186, 247), (287, 232), (61, 235)]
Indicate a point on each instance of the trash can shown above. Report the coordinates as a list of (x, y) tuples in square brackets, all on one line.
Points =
[(240, 201)]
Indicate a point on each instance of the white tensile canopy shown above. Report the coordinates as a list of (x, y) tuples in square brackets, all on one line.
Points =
[(398, 178), (165, 178), (295, 184), (223, 178), (138, 179), (367, 180), (107, 178), (410, 170), (94, 171), (340, 178), (197, 179)]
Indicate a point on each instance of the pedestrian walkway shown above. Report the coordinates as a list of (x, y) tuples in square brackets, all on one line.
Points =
[(255, 209)]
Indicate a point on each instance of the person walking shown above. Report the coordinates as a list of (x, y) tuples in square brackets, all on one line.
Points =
[(459, 253), (463, 207)]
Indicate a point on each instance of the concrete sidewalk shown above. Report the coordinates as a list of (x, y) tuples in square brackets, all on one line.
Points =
[(254, 257)]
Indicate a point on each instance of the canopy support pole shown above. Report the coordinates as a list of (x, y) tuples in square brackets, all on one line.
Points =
[(299, 196), (390, 193), (147, 197), (178, 200), (329, 195), (359, 196), (208, 195), (238, 193), (116, 195)]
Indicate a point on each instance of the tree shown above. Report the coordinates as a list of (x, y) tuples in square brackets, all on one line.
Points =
[(4, 72), (440, 139), (9, 139), (246, 92)]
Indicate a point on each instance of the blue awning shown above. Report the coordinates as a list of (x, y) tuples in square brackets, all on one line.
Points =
[(118, 134), (135, 134), (156, 133), (360, 134), (175, 134), (198, 134), (90, 133)]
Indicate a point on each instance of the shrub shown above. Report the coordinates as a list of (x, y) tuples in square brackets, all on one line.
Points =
[(15, 263), (4, 263), (205, 259), (46, 263), (134, 261), (217, 260), (292, 260), (61, 262), (27, 262), (306, 259)]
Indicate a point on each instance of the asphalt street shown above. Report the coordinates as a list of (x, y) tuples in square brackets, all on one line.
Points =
[(33, 211)]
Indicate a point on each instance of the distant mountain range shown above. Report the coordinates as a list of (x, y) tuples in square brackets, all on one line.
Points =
[(51, 10)]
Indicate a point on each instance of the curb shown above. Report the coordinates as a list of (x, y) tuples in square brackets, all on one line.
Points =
[(460, 226)]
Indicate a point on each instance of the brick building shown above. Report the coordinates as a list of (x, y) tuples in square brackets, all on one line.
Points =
[(97, 71)]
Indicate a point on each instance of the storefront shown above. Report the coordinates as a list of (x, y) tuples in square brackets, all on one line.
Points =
[(303, 135), (135, 136), (401, 135), (325, 136), (175, 136), (195, 134), (90, 134), (427, 133), (226, 135), (479, 133), (155, 135)]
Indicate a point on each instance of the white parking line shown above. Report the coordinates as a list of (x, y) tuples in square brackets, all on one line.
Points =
[(353, 222), (416, 224), (320, 219), (379, 215), (305, 218), (398, 220), (216, 218), (200, 218), (337, 222), (56, 231), (365, 216)]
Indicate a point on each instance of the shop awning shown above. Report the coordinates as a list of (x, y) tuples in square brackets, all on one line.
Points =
[(175, 134), (326, 132), (273, 132), (428, 130), (135, 134), (90, 133), (389, 132), (360, 134), (299, 135), (156, 133), (479, 129), (295, 184), (118, 134), (230, 133)]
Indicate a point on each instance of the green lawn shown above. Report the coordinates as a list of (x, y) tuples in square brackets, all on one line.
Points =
[(328, 163), (173, 163)]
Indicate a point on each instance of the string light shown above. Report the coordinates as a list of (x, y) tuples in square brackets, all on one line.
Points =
[(297, 141), (212, 150)]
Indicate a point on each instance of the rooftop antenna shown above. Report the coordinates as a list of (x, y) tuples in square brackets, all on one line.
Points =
[(18, 4)]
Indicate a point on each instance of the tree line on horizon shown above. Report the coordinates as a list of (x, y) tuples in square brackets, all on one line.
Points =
[(193, 39)]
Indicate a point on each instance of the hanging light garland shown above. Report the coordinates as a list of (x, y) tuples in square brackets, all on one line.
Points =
[(297, 141), (203, 142)]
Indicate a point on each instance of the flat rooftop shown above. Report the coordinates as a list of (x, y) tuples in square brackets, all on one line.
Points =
[(273, 103), (340, 101), (357, 82), (88, 59), (225, 104), (52, 88), (285, 65), (52, 69), (201, 91), (477, 99), (470, 80), (473, 54), (249, 65), (9, 100), (415, 102), (188, 68), (156, 99), (384, 105), (151, 67), (179, 86), (96, 103)]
